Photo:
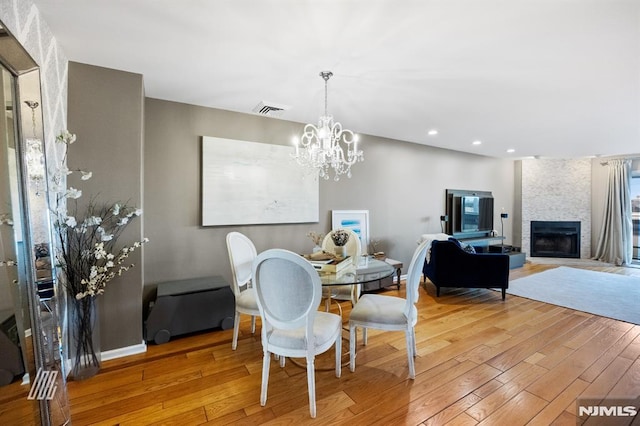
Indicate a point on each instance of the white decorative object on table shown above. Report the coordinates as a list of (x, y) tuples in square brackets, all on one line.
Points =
[(340, 237), (317, 240)]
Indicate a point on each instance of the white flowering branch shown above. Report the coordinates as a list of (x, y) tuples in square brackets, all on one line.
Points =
[(112, 266), (87, 236)]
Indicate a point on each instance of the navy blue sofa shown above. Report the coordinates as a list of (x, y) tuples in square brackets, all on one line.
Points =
[(451, 266)]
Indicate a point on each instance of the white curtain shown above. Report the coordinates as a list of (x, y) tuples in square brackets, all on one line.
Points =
[(615, 244)]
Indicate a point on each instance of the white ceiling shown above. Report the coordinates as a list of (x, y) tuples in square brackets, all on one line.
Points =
[(549, 78)]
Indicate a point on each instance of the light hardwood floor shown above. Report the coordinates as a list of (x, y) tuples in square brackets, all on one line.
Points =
[(480, 361)]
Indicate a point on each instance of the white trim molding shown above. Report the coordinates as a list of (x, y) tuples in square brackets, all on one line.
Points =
[(122, 352)]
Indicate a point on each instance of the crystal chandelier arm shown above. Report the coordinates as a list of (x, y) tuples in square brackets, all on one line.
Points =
[(309, 135)]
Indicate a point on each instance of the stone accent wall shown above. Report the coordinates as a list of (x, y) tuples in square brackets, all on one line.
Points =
[(555, 189)]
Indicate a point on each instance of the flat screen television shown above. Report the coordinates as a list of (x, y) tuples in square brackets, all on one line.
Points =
[(470, 213)]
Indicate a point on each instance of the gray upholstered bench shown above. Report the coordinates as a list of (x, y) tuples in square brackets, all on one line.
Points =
[(186, 306)]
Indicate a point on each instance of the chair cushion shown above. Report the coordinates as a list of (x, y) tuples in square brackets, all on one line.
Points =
[(324, 329), (247, 300), (380, 309)]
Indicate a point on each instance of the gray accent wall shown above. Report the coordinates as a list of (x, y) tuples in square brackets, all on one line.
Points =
[(401, 184), (106, 113)]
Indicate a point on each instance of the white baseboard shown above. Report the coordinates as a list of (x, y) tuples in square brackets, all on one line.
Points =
[(115, 353), (402, 277), (126, 351)]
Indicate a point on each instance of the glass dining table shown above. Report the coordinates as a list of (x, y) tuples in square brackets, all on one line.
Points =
[(367, 270)]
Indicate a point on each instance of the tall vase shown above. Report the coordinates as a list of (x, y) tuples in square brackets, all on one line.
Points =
[(85, 332)]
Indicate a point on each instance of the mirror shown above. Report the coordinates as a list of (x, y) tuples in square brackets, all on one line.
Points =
[(32, 381)]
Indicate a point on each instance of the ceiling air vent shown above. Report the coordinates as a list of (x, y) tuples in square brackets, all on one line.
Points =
[(270, 109)]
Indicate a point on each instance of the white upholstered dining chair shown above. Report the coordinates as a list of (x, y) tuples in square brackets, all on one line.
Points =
[(390, 313), (288, 290), (354, 250), (242, 253)]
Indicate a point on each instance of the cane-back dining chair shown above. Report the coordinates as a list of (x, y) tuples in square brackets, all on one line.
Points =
[(242, 252), (390, 313), (288, 290)]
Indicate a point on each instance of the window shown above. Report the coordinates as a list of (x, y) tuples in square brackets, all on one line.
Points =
[(635, 214)]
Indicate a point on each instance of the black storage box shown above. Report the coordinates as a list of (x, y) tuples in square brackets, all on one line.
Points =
[(186, 306)]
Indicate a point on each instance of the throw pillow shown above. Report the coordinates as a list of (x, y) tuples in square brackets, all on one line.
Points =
[(469, 248), (466, 247)]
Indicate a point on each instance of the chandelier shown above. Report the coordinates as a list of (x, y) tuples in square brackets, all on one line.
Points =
[(327, 145), (34, 153)]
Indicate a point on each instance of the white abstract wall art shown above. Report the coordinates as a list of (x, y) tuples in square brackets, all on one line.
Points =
[(249, 183)]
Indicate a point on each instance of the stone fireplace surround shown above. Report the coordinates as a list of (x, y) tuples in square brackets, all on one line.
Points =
[(555, 190)]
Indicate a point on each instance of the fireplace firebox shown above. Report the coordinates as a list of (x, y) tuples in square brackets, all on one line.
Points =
[(555, 239)]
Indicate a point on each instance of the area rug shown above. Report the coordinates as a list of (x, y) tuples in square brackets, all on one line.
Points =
[(600, 293)]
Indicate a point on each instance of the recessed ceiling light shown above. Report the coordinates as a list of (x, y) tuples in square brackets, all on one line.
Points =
[(476, 142), (432, 132), (511, 150)]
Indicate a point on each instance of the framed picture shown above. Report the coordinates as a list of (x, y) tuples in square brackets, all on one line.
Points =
[(249, 183), (356, 220)]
